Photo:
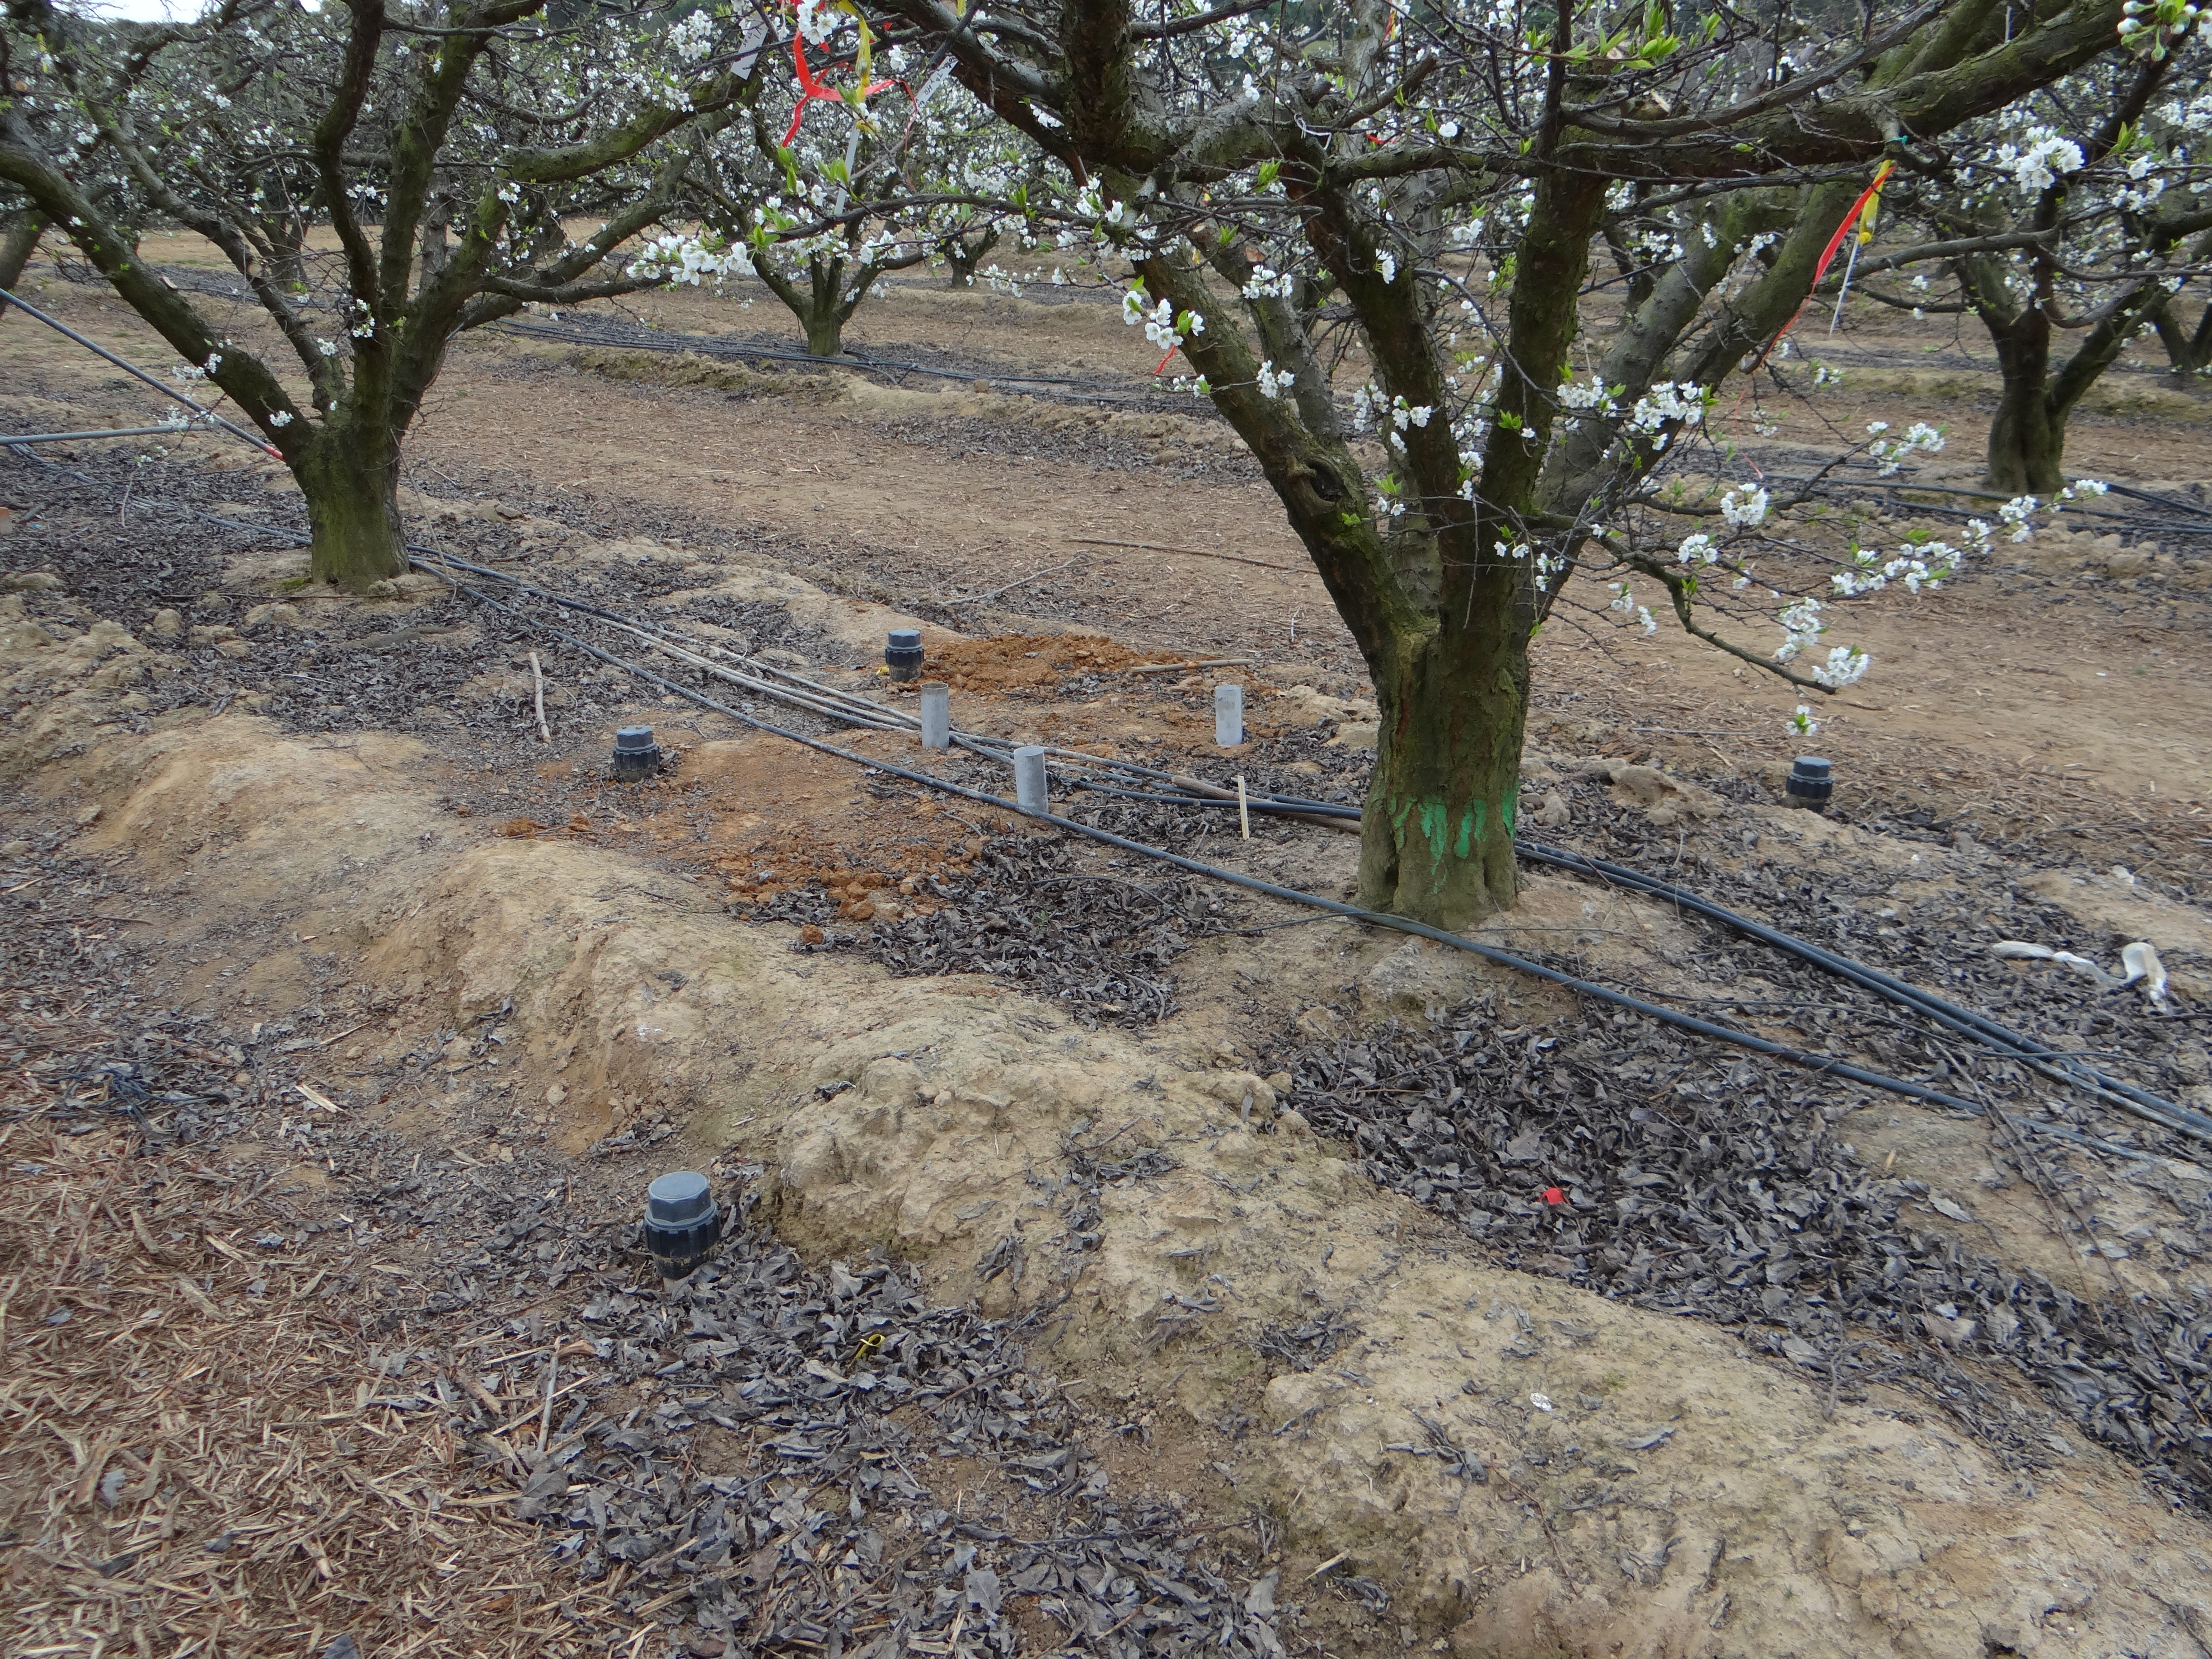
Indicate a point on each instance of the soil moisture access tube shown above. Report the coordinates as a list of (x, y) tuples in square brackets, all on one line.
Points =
[(1030, 782), (902, 653), (1812, 780), (936, 714), (681, 1222), (1228, 715)]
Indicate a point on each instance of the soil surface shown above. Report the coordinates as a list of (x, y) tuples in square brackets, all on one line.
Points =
[(1115, 1260)]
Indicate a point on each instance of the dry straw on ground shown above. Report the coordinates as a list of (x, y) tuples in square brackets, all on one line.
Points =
[(193, 1456)]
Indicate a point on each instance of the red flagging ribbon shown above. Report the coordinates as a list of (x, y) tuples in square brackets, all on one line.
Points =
[(1828, 254), (810, 89)]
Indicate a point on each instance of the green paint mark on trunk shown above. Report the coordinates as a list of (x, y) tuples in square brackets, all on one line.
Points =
[(1435, 826), (1466, 828)]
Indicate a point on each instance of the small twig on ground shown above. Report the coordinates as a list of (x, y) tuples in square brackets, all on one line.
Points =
[(545, 1418), (537, 680), (1177, 667), (979, 598), (1192, 553)]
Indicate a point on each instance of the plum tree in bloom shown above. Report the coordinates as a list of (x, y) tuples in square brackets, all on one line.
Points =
[(2079, 215), (439, 143), (1417, 192), (819, 196)]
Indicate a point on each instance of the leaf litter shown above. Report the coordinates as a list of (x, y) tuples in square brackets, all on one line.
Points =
[(440, 1405), (1720, 1186)]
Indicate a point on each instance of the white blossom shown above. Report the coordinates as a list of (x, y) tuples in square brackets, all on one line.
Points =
[(1745, 506)]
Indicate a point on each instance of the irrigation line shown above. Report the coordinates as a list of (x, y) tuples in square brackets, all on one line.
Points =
[(866, 712), (715, 346), (9, 438), (1825, 1064), (1987, 1032), (2053, 1064), (2057, 1065), (132, 369)]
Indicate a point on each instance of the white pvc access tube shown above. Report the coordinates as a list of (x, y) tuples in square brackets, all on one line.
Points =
[(1228, 715), (936, 714), (1030, 781)]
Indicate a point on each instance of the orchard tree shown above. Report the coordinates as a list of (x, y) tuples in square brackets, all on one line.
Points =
[(438, 142), (19, 239), (837, 176), (1415, 194), (2076, 215)]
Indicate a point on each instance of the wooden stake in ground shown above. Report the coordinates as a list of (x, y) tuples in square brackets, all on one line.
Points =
[(1243, 809), (537, 680)]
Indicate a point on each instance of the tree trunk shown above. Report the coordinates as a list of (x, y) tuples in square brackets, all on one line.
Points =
[(825, 332), (1437, 829), (16, 247), (1437, 835), (2028, 439), (964, 259), (351, 483), (2187, 354)]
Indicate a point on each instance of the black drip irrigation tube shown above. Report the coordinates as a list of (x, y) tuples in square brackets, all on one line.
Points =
[(2056, 1064), (1827, 1065), (1978, 1027), (724, 350)]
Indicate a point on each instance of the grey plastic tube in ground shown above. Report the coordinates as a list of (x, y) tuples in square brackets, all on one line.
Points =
[(1030, 781), (1228, 715), (936, 714)]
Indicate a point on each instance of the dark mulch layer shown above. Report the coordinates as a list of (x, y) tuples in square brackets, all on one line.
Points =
[(1102, 448), (1723, 1186), (844, 1386), (1853, 909), (764, 1458), (1041, 912), (79, 1020)]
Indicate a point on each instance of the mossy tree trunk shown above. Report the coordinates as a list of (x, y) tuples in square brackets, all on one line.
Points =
[(2026, 453), (2026, 445), (1441, 616), (2188, 351), (349, 476), (963, 256), (834, 284), (17, 243)]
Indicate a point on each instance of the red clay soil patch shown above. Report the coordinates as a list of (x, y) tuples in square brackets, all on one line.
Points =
[(768, 816), (1007, 661)]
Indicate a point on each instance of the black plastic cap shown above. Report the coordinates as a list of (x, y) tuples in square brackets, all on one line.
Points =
[(636, 754), (681, 1222), (1812, 781), (902, 652), (678, 1200)]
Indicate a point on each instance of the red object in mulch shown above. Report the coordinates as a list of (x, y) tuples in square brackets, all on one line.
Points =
[(1554, 1195)]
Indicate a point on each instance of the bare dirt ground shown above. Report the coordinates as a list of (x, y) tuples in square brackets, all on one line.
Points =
[(1128, 1263)]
